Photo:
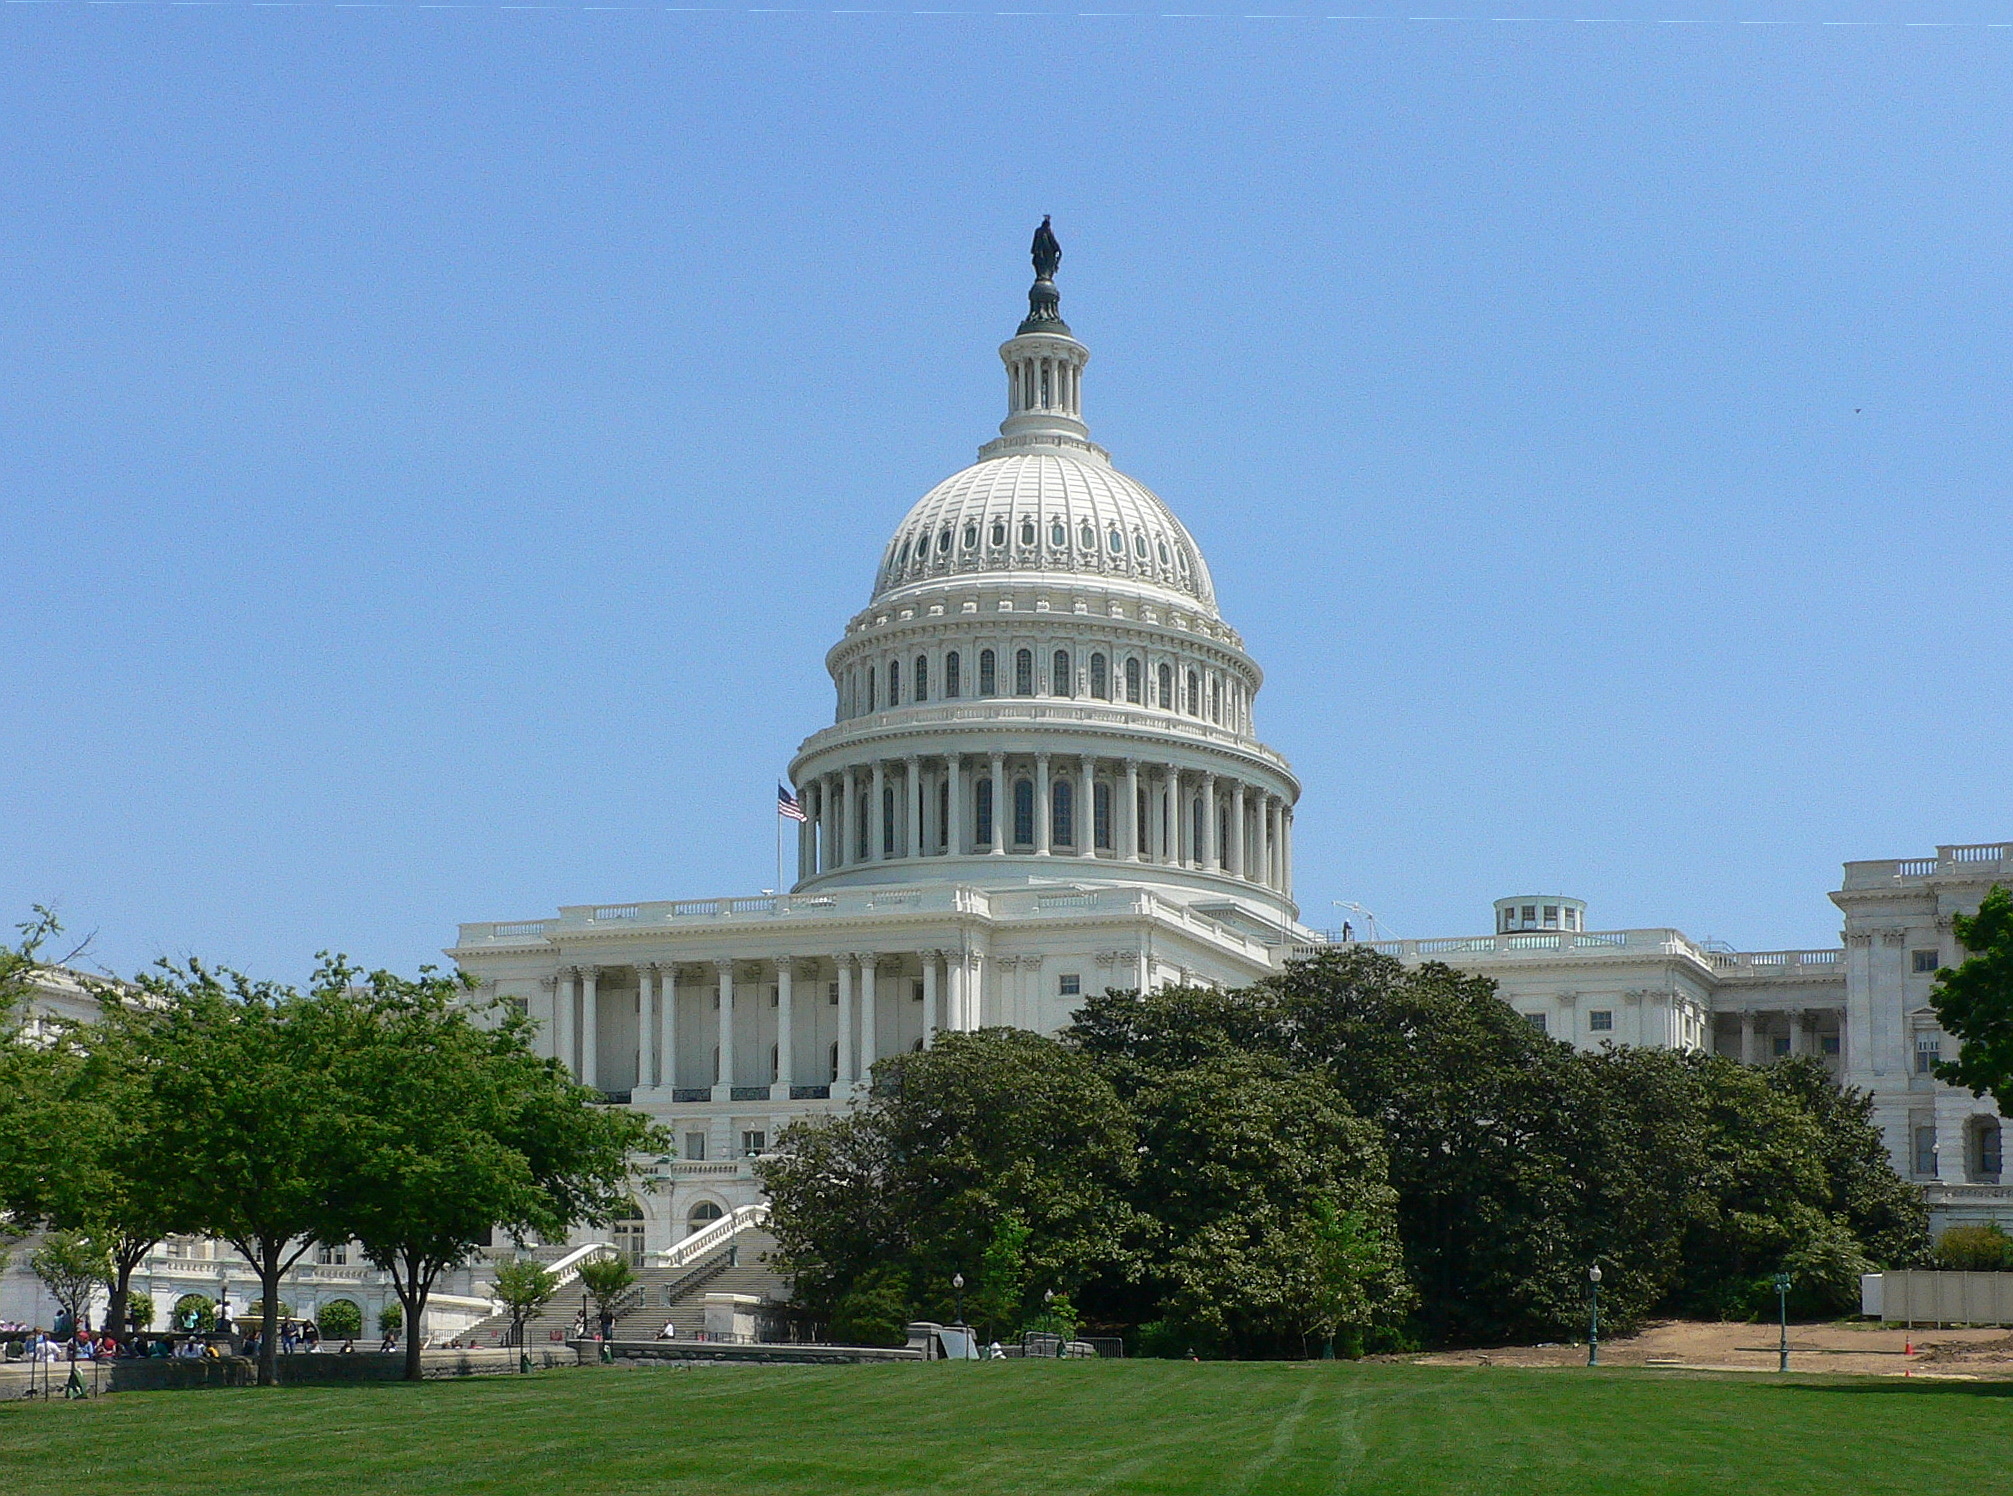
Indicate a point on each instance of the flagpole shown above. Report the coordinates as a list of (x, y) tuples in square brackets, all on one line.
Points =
[(779, 854)]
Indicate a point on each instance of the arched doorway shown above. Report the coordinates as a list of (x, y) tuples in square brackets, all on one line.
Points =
[(702, 1215)]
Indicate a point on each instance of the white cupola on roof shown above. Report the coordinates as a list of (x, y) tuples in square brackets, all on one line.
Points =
[(1044, 498)]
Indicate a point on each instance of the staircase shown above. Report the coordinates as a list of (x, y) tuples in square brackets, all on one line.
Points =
[(726, 1257)]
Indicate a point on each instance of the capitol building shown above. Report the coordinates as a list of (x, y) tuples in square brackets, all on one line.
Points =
[(1043, 778)]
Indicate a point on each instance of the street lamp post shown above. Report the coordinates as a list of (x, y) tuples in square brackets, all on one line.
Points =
[(1048, 1317), (958, 1283), (1594, 1321), (1782, 1307)]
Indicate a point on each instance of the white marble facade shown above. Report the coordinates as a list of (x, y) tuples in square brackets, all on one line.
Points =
[(1043, 779)]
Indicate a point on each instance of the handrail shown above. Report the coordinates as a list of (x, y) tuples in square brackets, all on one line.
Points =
[(567, 1268), (715, 1236)]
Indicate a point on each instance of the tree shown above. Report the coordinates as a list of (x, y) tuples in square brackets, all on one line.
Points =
[(1974, 1002), (340, 1319), (32, 1145), (139, 1312), (523, 1287), (71, 1266), (423, 1186), (606, 1279), (910, 1186), (241, 1115), (1974, 1249), (390, 1319)]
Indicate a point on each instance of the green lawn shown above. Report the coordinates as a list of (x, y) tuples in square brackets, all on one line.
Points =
[(1260, 1429)]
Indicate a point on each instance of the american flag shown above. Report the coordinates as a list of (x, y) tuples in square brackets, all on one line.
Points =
[(786, 805)]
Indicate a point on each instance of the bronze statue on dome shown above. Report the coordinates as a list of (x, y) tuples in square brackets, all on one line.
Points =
[(1047, 252)]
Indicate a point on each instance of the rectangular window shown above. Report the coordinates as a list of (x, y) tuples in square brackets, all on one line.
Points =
[(328, 1256), (1023, 813), (894, 683), (1601, 1020), (1779, 1045), (871, 699), (1925, 1152), (1828, 1044), (916, 990), (1100, 802), (922, 678), (1070, 984), (695, 1147), (1925, 962), (754, 1144), (831, 994), (1100, 683), (983, 833), (775, 996), (1927, 1053), (1536, 1021), (518, 1005), (1551, 916)]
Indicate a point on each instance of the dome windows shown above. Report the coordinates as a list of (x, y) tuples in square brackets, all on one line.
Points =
[(1027, 531), (1139, 546), (1062, 679), (1023, 673), (999, 533), (1163, 554), (1086, 536), (988, 674), (1100, 678), (1116, 541), (952, 685), (972, 537), (1132, 681), (1058, 536), (902, 561), (922, 679), (944, 541)]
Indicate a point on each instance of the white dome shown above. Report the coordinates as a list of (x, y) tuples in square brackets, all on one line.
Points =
[(1024, 515)]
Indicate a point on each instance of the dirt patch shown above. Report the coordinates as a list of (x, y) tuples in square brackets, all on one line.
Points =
[(1861, 1349)]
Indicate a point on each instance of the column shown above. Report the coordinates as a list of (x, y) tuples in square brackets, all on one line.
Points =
[(1265, 840), (930, 959), (1286, 849), (1086, 810), (1129, 840), (786, 1029), (1041, 806), (1747, 1038), (954, 829), (1178, 837), (807, 838), (646, 1020), (667, 1026), (917, 808), (1142, 969), (1795, 1019), (1237, 828), (870, 1049), (1211, 853), (723, 1089), (1002, 812), (846, 1052), (877, 822), (975, 993), (590, 1026), (562, 1019), (848, 837), (954, 965)]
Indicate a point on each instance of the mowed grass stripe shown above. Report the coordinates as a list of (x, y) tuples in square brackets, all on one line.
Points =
[(1022, 1428)]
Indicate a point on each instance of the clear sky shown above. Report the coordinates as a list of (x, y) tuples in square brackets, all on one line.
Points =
[(437, 445)]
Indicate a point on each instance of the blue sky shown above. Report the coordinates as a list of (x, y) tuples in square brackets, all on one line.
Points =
[(438, 445)]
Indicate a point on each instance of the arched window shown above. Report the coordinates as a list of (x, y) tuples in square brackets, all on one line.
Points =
[(1023, 812), (1166, 702), (1062, 817), (1100, 813), (1195, 829), (1215, 699), (1023, 672), (1132, 673), (629, 1234), (894, 683), (944, 814), (702, 1215), (1100, 678), (988, 676), (984, 829), (862, 823), (887, 820), (1194, 694), (871, 701), (922, 678), (1061, 679), (952, 685)]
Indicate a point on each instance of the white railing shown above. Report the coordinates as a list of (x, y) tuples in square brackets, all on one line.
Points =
[(615, 911), (1952, 861), (567, 1268), (1015, 709), (519, 928), (1989, 852), (704, 1243)]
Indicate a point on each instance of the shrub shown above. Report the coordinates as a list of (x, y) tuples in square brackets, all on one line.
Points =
[(340, 1319), (874, 1313), (391, 1317), (195, 1311), (139, 1310), (1975, 1249)]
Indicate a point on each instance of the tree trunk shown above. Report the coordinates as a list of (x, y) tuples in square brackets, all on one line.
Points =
[(124, 1261), (412, 1297), (269, 1315)]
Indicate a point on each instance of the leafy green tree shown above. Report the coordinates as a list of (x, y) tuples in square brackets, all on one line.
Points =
[(913, 1183), (999, 1298), (1974, 1002), (33, 1149), (71, 1266), (874, 1311), (390, 1319), (139, 1311), (1884, 1212), (1975, 1249), (242, 1116), (523, 1287), (196, 1311), (606, 1279), (340, 1319), (423, 1186)]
